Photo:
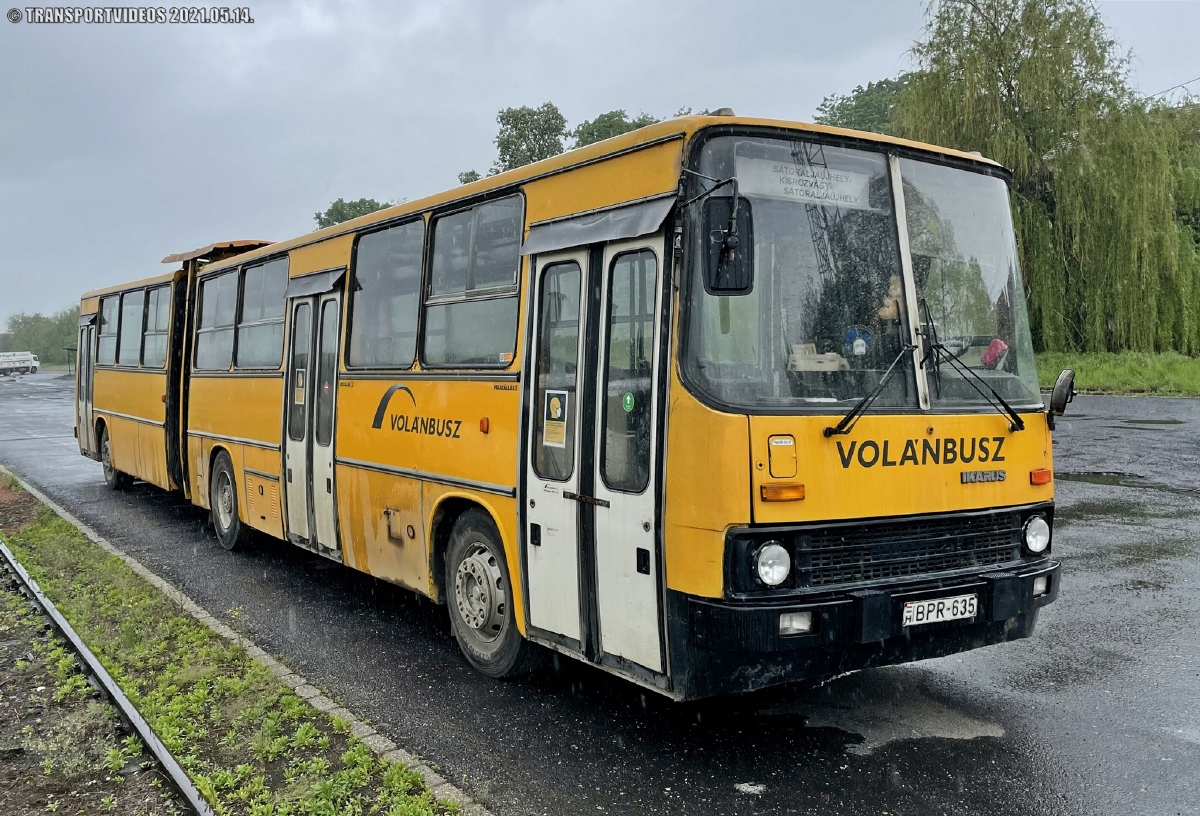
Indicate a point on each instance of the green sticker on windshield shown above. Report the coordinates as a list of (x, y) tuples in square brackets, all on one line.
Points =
[(627, 401)]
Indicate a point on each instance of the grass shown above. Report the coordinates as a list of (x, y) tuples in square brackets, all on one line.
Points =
[(1127, 372), (250, 744)]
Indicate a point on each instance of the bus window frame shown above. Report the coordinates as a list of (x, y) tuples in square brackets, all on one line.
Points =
[(492, 293), (115, 334), (165, 332), (198, 311), (348, 319), (239, 324)]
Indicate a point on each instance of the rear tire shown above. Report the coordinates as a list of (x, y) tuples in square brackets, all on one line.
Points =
[(222, 499), (479, 597), (114, 478)]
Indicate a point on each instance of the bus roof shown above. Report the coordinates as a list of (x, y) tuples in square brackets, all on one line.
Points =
[(138, 284), (681, 127)]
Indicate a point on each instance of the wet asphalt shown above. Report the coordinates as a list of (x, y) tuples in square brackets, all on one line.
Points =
[(1098, 713)]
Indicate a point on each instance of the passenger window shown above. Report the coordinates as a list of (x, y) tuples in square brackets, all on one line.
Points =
[(385, 296), (214, 338), (556, 406), (629, 370), (299, 375), (326, 384), (260, 327), (133, 306), (106, 344), (158, 315), (471, 310)]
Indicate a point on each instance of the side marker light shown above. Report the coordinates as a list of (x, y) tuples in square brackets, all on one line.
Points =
[(1040, 476), (781, 492), (484, 425)]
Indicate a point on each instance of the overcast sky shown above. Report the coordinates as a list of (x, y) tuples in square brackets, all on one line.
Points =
[(120, 144)]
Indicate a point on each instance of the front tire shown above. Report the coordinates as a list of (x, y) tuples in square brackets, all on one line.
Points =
[(115, 479), (479, 597), (222, 499)]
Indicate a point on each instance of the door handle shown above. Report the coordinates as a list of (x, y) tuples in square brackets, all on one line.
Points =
[(567, 494)]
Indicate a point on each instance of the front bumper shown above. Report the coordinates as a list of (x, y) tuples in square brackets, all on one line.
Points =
[(721, 647)]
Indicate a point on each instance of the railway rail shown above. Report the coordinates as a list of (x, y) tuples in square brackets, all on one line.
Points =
[(103, 681)]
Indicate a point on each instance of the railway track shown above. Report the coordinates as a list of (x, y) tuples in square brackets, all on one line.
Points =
[(104, 682)]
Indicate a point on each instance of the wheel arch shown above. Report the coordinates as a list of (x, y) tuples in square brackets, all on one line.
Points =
[(448, 510), (216, 450)]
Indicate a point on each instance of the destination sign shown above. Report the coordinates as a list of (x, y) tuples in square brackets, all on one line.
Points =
[(804, 184)]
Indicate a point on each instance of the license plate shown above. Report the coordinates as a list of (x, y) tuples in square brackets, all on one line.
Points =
[(937, 610)]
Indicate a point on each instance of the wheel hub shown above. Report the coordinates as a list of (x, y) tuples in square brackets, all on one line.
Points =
[(479, 592), (224, 501)]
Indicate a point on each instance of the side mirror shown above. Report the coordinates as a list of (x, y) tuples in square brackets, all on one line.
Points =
[(1063, 393), (729, 241)]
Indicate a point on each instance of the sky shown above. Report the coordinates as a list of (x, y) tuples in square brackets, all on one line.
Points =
[(123, 143)]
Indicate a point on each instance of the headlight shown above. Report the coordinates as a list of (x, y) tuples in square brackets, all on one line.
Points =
[(1037, 534), (772, 563)]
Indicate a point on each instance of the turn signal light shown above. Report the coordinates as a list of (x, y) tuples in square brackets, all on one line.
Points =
[(484, 425), (1040, 476), (781, 492)]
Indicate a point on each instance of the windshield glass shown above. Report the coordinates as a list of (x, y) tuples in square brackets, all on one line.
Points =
[(968, 283), (825, 317)]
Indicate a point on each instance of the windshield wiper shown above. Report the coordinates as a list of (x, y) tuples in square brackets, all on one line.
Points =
[(942, 354), (848, 422)]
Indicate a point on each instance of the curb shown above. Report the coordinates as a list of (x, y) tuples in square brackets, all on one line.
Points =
[(379, 744)]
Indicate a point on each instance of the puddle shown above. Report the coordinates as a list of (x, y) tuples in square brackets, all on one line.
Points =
[(1134, 554), (1124, 480), (885, 714), (1117, 510), (1153, 421)]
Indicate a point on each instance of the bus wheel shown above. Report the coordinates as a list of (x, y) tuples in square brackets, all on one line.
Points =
[(222, 498), (480, 600), (112, 477)]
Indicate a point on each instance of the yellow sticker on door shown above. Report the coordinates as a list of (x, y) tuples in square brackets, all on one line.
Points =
[(554, 419)]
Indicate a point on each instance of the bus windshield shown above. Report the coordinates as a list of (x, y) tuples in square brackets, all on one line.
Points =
[(828, 314)]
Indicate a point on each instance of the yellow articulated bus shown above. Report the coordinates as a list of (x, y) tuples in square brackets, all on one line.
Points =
[(719, 404)]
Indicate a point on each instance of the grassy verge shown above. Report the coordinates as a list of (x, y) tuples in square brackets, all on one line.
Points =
[(251, 745), (61, 749), (1126, 372)]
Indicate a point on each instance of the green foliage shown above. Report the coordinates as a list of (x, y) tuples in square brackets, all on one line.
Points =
[(528, 135), (868, 108), (608, 125), (46, 336), (468, 176), (342, 210), (1102, 180), (250, 744), (1129, 372)]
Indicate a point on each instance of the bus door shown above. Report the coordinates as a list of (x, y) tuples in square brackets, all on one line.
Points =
[(308, 442), (592, 563), (552, 555), (84, 371)]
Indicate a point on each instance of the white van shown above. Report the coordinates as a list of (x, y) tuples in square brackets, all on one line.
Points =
[(18, 362)]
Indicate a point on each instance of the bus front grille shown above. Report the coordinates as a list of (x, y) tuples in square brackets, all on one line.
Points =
[(873, 551)]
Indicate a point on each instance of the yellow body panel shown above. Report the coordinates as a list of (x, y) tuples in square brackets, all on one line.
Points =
[(138, 447), (646, 172), (235, 408), (328, 254), (909, 465), (707, 490)]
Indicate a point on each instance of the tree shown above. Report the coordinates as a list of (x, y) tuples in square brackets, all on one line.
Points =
[(467, 176), (1099, 175), (341, 210), (46, 336), (528, 135), (608, 125), (868, 108)]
